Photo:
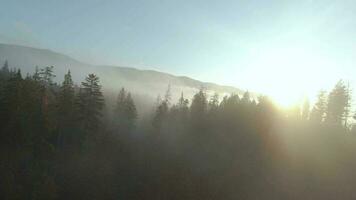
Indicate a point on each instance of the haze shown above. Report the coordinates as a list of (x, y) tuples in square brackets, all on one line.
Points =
[(177, 100), (297, 47)]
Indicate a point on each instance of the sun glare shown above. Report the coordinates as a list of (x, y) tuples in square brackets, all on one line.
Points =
[(287, 75)]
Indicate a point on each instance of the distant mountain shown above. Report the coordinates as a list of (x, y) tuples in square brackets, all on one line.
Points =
[(144, 82)]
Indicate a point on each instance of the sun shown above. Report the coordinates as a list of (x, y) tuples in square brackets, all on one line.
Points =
[(286, 75)]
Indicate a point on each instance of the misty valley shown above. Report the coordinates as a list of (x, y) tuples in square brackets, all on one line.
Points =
[(177, 100), (68, 140)]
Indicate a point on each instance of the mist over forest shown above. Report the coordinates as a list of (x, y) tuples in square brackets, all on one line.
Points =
[(69, 140), (177, 100)]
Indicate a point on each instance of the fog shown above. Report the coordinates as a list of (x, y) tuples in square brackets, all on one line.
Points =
[(177, 100), (84, 141)]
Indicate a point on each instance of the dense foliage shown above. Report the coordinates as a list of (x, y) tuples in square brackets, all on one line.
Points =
[(55, 144)]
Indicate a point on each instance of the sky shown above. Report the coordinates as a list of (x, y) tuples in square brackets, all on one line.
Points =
[(286, 49)]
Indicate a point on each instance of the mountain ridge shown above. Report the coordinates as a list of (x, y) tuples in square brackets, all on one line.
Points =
[(146, 81)]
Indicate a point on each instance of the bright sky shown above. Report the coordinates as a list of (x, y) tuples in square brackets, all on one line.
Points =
[(285, 48)]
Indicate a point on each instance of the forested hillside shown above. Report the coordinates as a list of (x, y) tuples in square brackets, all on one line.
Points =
[(61, 141), (148, 83)]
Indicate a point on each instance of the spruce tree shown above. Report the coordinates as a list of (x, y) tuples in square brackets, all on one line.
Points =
[(160, 114), (319, 109), (46, 75), (125, 113), (90, 103), (65, 110), (36, 75), (162, 110), (338, 104), (4, 74), (214, 103), (183, 104), (120, 106), (198, 109), (246, 99), (5, 68), (131, 112)]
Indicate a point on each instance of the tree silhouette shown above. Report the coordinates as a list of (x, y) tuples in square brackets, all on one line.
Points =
[(214, 103), (131, 112), (46, 75), (198, 110), (125, 113), (319, 109), (66, 108), (162, 110), (90, 103), (338, 104)]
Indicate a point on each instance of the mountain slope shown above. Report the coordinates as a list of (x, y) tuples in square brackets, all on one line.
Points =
[(145, 82)]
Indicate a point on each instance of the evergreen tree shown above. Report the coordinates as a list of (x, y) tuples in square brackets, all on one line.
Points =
[(5, 68), (65, 110), (36, 75), (168, 95), (46, 75), (319, 110), (10, 104), (160, 114), (120, 109), (214, 103), (120, 104), (348, 105), (338, 104), (162, 110), (246, 108), (131, 112), (125, 113), (4, 73), (90, 103), (183, 109), (231, 107), (183, 104), (198, 109), (246, 99)]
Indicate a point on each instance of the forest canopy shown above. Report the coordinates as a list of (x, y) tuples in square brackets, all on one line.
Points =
[(63, 141)]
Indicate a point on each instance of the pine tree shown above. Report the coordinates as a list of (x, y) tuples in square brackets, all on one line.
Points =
[(125, 113), (90, 103), (65, 109), (214, 103), (168, 95), (198, 109), (348, 105), (319, 110), (162, 110), (4, 73), (338, 104), (182, 102), (10, 104), (131, 112), (46, 75), (66, 95), (183, 108), (5, 68), (36, 75), (246, 99), (25, 134), (119, 110), (246, 108), (160, 114)]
